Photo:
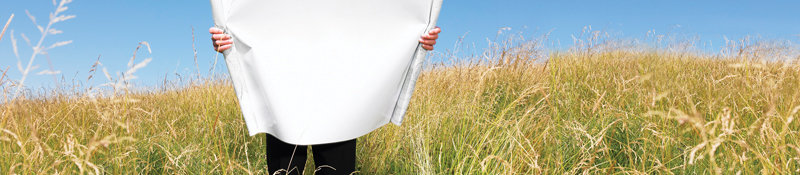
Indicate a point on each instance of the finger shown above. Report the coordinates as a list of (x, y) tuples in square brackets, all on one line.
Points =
[(220, 36), (435, 31), (428, 42), (223, 42), (427, 47), (223, 48), (430, 37), (215, 30)]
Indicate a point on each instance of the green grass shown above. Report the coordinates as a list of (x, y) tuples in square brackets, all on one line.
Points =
[(619, 112)]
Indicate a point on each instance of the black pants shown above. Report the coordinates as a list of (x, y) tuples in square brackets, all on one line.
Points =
[(333, 158)]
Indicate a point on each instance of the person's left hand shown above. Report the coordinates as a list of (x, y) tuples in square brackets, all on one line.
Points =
[(220, 40), (428, 40)]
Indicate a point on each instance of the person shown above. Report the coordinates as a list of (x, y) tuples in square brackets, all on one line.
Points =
[(332, 158)]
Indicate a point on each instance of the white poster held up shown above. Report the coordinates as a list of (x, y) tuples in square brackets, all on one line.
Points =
[(324, 71)]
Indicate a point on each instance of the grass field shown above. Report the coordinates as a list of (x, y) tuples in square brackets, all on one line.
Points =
[(606, 106), (584, 111)]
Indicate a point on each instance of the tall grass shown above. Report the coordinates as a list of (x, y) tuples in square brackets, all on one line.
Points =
[(39, 47), (607, 109), (2, 33), (604, 106)]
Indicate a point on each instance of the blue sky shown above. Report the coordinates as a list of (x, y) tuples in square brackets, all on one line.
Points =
[(112, 29)]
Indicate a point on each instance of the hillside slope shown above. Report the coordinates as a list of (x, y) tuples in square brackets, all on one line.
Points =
[(605, 112)]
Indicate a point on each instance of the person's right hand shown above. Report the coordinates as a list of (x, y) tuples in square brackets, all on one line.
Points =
[(220, 40)]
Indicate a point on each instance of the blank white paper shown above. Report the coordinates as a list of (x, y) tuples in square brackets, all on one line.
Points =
[(324, 71)]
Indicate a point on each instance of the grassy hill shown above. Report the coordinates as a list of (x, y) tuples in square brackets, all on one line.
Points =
[(615, 111)]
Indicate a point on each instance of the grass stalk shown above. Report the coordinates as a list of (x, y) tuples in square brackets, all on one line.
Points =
[(6, 26)]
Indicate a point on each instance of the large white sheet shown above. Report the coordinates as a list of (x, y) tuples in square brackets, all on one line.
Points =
[(323, 71)]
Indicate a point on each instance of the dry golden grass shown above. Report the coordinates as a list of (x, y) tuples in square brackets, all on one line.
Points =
[(6, 26), (604, 111), (604, 106)]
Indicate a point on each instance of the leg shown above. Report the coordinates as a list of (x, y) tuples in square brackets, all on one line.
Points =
[(280, 154), (335, 158)]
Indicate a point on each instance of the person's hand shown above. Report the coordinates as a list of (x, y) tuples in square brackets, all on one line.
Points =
[(220, 40), (428, 40)]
